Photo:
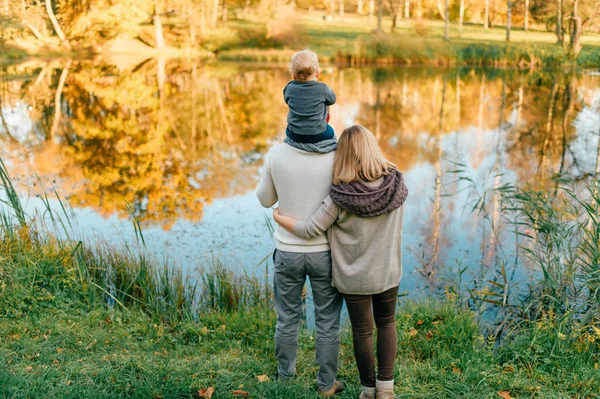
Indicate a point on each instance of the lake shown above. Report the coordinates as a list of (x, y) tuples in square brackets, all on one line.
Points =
[(179, 144)]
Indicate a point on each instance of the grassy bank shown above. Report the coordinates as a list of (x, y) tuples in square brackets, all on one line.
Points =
[(54, 343), (86, 320), (352, 41)]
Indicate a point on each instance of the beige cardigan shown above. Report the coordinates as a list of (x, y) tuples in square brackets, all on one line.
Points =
[(366, 252)]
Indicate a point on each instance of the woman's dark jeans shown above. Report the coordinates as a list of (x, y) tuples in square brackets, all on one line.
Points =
[(362, 309)]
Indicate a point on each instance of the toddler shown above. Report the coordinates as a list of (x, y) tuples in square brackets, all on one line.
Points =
[(308, 101)]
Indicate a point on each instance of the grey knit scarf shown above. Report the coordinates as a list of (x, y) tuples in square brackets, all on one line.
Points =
[(364, 201), (321, 147)]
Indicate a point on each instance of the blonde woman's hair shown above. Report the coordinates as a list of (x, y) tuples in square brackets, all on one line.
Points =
[(358, 157), (304, 64)]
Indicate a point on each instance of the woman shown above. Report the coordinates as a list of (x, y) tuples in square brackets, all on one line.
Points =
[(363, 219)]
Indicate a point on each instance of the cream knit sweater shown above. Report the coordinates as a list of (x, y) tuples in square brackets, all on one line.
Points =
[(299, 181)]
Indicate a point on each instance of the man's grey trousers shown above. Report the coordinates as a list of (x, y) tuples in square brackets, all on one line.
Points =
[(291, 269)]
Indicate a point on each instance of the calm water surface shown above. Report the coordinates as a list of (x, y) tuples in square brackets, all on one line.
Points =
[(183, 144)]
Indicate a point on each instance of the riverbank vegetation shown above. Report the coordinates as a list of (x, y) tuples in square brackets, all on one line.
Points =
[(79, 319), (458, 32)]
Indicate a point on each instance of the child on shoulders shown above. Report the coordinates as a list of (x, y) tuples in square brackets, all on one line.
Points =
[(308, 101)]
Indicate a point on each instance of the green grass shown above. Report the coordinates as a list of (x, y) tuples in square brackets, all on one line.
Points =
[(353, 41), (54, 345)]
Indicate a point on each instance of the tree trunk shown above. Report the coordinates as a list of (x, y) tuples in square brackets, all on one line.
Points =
[(215, 18), (54, 21), (440, 9), (461, 17), (379, 15), (224, 11), (574, 44), (360, 8), (332, 8), (158, 28), (526, 20), (192, 34), (407, 9), (559, 17), (58, 99), (447, 17), (35, 32), (486, 15), (458, 108), (371, 10), (342, 10), (419, 10), (192, 16), (508, 19)]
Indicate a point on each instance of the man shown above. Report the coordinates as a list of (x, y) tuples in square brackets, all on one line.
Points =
[(298, 174), (299, 181)]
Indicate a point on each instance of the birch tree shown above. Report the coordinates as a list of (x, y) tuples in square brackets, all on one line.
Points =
[(559, 17), (461, 16), (55, 24), (447, 18), (509, 4), (526, 17), (486, 15)]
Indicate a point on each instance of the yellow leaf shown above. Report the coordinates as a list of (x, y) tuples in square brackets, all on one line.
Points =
[(206, 393), (412, 332), (509, 369), (505, 394), (429, 335), (456, 370), (420, 322), (243, 394), (596, 331), (263, 378)]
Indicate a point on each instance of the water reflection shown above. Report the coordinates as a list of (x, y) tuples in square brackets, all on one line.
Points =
[(171, 138)]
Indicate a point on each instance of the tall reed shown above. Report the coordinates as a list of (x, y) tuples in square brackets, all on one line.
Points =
[(557, 234)]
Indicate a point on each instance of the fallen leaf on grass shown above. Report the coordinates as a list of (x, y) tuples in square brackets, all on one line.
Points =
[(509, 368), (456, 370), (412, 332), (263, 378), (420, 322), (505, 394), (429, 335), (243, 394), (206, 393)]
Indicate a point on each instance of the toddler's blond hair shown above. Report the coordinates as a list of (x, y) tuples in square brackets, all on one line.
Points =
[(304, 64)]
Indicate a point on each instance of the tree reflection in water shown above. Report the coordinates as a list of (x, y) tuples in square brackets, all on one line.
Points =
[(169, 137)]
